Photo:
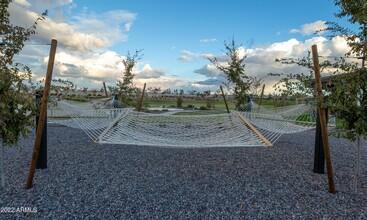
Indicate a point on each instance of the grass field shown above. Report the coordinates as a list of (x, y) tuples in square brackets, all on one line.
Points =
[(170, 103), (218, 104), (203, 112)]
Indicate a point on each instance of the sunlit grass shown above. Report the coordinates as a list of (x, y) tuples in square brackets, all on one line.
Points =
[(202, 112)]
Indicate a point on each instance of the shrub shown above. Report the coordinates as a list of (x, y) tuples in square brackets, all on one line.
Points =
[(179, 101)]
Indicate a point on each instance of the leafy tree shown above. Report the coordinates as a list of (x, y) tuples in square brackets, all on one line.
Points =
[(17, 105), (348, 100), (356, 13), (348, 97), (127, 89), (62, 87), (234, 70), (347, 88), (16, 102), (154, 90), (113, 89), (191, 92), (167, 91), (300, 84), (255, 86)]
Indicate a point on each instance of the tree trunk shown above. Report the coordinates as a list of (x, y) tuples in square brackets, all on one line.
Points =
[(2, 168), (357, 171)]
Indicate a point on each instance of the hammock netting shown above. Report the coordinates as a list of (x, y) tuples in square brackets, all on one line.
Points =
[(126, 126)]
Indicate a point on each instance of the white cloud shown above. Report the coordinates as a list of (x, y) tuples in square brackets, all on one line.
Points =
[(241, 52), (23, 3), (82, 54), (293, 31), (213, 81), (163, 82), (184, 58), (261, 61), (120, 16), (208, 70), (204, 86), (128, 26), (339, 46), (210, 40), (188, 56), (310, 28), (189, 53), (285, 46), (58, 8), (92, 68), (148, 72), (207, 55), (85, 32), (97, 66)]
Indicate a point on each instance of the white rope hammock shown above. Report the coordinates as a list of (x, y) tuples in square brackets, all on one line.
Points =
[(236, 129)]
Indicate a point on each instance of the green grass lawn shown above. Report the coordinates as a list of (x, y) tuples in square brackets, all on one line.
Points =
[(203, 112), (159, 103), (219, 104), (167, 103)]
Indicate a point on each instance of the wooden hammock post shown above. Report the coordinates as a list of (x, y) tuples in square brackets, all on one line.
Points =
[(322, 115), (261, 98), (142, 98), (248, 124), (42, 116), (42, 153), (105, 89), (224, 98)]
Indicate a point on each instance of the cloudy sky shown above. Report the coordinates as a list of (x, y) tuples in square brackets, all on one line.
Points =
[(176, 36)]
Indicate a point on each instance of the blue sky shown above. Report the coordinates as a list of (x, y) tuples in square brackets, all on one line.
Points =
[(176, 37)]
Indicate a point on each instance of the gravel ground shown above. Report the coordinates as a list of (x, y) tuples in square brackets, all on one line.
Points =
[(90, 181)]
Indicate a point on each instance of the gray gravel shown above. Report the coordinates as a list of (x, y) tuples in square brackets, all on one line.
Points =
[(89, 181)]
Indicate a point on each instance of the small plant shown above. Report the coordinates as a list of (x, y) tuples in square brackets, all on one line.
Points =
[(127, 90), (179, 101), (238, 82), (210, 103)]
